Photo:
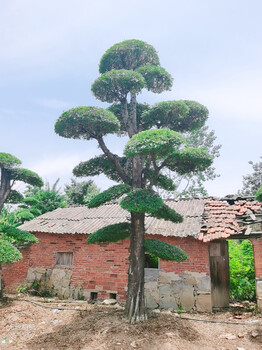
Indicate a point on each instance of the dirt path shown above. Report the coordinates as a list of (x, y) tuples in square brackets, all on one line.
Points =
[(25, 325)]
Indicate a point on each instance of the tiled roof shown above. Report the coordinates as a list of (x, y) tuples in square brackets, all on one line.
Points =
[(205, 219), (85, 221), (221, 219)]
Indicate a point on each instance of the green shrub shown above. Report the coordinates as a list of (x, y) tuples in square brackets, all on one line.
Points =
[(241, 267)]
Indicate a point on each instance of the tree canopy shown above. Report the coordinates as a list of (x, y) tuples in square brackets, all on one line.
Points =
[(10, 236), (252, 182), (156, 144)]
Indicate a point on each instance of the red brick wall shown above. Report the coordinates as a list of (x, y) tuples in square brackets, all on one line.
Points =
[(197, 252), (98, 267), (257, 249)]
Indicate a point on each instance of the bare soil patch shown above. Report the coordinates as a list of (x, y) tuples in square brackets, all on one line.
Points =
[(100, 327)]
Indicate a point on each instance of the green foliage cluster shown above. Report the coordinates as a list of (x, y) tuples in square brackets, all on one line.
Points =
[(18, 236), (166, 213), (80, 192), (25, 175), (7, 160), (155, 142), (241, 267), (129, 54), (41, 200), (114, 86), (163, 250), (10, 236), (116, 109), (111, 233), (252, 182), (109, 195), (177, 115), (189, 160), (157, 78), (9, 254), (14, 197), (258, 194), (162, 181), (10, 239), (142, 201), (86, 123), (99, 165)]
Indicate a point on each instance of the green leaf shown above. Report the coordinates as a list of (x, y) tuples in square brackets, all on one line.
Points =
[(14, 197), (258, 194), (116, 109), (111, 233), (108, 195), (163, 250), (158, 142), (129, 54), (176, 115), (17, 235), (8, 161), (166, 213), (25, 175), (86, 123), (99, 165), (189, 160), (114, 86), (157, 79), (141, 201), (8, 253)]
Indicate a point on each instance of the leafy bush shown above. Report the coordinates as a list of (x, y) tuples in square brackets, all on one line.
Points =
[(242, 274)]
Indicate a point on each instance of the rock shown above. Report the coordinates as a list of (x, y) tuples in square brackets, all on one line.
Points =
[(109, 302), (228, 336), (241, 349), (133, 344), (254, 334), (241, 335), (156, 311)]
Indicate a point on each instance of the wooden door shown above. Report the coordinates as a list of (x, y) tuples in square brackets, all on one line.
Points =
[(219, 273)]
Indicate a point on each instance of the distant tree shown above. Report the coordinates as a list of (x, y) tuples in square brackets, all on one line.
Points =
[(39, 200), (192, 184), (258, 194), (252, 182), (155, 144), (80, 192), (10, 236)]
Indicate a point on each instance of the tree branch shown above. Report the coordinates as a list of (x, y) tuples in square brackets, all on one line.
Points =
[(5, 187), (114, 160)]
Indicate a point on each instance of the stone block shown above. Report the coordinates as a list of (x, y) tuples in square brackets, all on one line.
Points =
[(259, 288), (187, 299), (167, 277), (203, 303)]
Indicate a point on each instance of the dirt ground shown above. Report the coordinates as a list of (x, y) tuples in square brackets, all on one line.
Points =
[(24, 325)]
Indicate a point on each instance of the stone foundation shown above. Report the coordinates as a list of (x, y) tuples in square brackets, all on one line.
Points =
[(54, 281), (167, 290)]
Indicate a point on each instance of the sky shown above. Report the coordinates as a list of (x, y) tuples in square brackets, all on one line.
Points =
[(50, 51)]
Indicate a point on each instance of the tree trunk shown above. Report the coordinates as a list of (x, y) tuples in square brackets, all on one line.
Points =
[(135, 303), (5, 187)]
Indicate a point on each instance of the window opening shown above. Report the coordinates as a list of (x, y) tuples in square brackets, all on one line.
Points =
[(151, 261), (64, 258)]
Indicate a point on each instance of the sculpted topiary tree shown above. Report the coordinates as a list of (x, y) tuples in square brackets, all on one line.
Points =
[(10, 236), (155, 143)]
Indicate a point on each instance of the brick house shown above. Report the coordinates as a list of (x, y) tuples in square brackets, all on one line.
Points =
[(63, 263)]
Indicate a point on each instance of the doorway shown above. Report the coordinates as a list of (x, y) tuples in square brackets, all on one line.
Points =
[(231, 272)]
